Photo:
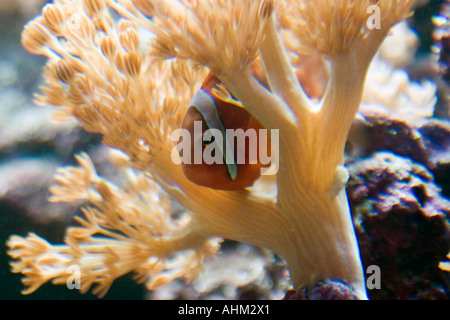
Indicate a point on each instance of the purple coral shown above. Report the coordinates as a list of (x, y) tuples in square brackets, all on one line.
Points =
[(428, 144), (324, 290), (401, 220), (442, 41)]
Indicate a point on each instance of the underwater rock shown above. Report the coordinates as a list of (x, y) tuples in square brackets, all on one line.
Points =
[(391, 89), (441, 59), (402, 223), (24, 7), (444, 59), (240, 272), (441, 37), (427, 144), (324, 290), (436, 137), (24, 192), (31, 131)]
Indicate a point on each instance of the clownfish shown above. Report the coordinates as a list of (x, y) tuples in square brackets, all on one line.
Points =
[(216, 112)]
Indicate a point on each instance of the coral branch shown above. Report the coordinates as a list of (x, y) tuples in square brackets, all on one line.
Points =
[(282, 78), (223, 35), (271, 111), (241, 216), (120, 233)]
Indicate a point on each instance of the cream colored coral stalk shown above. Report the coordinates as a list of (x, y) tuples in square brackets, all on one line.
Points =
[(98, 73)]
